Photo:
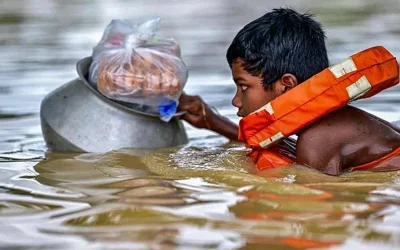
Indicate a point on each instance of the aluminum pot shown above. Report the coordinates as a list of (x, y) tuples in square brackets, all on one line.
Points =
[(77, 118)]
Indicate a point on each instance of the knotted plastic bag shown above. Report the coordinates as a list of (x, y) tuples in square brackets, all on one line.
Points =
[(135, 65)]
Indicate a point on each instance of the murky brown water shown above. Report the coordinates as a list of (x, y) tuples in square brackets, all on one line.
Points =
[(203, 195)]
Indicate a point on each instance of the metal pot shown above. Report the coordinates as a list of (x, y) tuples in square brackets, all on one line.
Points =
[(77, 118)]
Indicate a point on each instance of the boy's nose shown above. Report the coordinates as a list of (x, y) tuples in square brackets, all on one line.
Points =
[(237, 102)]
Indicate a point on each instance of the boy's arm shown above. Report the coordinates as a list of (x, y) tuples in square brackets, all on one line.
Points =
[(200, 115), (393, 126), (317, 153), (224, 126)]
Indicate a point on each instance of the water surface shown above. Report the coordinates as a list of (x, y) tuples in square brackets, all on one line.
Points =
[(201, 196)]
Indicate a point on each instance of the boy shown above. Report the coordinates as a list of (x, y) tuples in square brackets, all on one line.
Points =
[(272, 55)]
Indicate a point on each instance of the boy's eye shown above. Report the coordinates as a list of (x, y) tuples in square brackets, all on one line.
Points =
[(243, 87)]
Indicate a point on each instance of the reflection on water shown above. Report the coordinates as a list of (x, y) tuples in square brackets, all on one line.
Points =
[(202, 196), (162, 201)]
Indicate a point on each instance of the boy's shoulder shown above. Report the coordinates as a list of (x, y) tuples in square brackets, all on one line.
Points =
[(319, 144), (344, 133), (348, 122), (342, 120)]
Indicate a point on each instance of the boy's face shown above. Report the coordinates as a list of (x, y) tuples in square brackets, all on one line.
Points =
[(250, 93)]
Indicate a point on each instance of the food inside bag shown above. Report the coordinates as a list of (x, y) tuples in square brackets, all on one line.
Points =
[(135, 65)]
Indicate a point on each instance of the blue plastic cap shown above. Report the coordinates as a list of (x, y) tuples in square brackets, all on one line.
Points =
[(167, 110)]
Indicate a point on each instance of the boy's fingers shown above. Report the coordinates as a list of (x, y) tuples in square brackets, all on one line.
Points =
[(186, 98), (179, 114), (189, 98), (190, 107), (185, 107), (183, 98), (192, 119)]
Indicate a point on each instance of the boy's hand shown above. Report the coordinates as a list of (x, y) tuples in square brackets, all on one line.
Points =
[(198, 113)]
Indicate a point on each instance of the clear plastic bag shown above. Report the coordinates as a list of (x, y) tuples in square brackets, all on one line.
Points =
[(133, 64)]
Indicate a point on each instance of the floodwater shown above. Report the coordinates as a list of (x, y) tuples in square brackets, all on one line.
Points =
[(201, 196)]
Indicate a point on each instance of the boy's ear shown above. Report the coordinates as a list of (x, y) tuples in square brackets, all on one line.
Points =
[(287, 82)]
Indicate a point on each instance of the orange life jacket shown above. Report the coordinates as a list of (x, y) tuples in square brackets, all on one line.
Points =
[(360, 76)]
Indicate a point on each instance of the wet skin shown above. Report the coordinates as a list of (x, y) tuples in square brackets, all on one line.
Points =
[(348, 138)]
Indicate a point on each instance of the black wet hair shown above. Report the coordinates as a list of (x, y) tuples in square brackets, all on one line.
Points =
[(281, 41)]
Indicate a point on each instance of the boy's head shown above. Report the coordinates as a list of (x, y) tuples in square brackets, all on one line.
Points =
[(273, 54)]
